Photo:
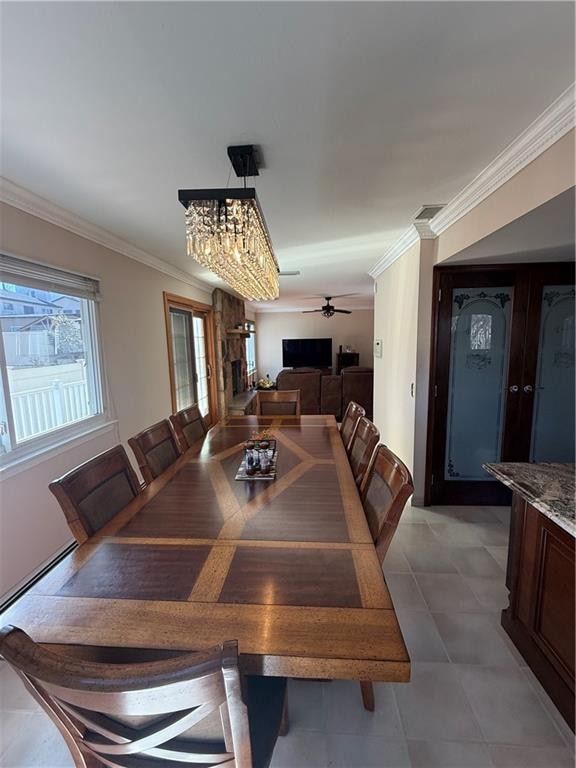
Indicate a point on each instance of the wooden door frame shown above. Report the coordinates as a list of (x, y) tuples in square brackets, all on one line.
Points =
[(527, 275), (172, 300)]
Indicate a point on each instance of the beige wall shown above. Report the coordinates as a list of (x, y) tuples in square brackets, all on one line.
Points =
[(355, 330), (135, 356), (395, 322)]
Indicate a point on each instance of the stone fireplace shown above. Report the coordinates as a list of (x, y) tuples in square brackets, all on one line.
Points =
[(230, 337)]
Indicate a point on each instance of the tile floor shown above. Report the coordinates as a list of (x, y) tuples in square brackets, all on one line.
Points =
[(471, 703)]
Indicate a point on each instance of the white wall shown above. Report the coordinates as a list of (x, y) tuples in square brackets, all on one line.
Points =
[(396, 323), (355, 330), (134, 343)]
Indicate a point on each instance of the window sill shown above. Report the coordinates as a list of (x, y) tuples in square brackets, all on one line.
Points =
[(14, 464)]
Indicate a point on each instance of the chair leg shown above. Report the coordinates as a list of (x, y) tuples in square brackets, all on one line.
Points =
[(367, 695), (284, 722)]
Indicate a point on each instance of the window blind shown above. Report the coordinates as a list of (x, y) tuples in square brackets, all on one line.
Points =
[(46, 278)]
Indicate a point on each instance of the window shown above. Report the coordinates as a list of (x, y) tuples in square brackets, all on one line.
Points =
[(251, 352), (51, 379)]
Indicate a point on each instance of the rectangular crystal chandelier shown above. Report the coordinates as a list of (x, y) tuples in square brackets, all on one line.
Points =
[(227, 234)]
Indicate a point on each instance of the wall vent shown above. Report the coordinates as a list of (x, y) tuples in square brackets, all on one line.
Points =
[(428, 212)]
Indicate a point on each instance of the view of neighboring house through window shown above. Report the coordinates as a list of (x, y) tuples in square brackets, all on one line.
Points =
[(251, 352), (50, 372)]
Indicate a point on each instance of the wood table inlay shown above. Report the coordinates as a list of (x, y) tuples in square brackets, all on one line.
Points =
[(286, 568)]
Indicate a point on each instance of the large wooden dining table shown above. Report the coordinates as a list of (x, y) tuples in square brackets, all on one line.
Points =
[(287, 568)]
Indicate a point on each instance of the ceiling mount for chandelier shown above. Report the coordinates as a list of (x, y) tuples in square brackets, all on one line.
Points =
[(226, 231)]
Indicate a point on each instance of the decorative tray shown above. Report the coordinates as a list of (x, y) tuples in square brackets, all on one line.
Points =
[(270, 475)]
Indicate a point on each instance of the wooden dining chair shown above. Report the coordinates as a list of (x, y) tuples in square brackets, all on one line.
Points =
[(364, 441), (190, 709), (188, 425), (155, 448), (278, 403), (386, 488), (92, 493), (350, 422)]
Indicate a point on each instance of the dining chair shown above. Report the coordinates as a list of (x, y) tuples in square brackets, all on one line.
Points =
[(92, 493), (350, 421), (190, 709), (188, 425), (278, 403), (364, 440), (155, 448), (386, 488)]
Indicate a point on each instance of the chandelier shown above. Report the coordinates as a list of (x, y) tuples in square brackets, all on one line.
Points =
[(227, 234)]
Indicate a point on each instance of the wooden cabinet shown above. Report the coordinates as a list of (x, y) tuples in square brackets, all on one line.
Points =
[(540, 617)]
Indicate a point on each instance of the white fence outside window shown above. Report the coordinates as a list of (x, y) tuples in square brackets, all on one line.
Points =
[(39, 410)]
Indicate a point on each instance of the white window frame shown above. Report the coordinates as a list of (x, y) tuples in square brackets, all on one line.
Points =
[(54, 439)]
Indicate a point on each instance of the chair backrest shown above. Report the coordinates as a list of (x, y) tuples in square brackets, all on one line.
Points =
[(364, 441), (188, 425), (386, 488), (92, 493), (183, 710), (275, 403), (155, 448), (350, 422)]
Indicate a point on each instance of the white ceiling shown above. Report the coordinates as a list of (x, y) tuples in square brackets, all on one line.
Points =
[(363, 112)]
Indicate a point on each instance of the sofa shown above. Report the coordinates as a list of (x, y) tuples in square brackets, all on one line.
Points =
[(322, 392)]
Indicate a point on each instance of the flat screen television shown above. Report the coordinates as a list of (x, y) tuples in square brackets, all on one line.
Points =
[(309, 353)]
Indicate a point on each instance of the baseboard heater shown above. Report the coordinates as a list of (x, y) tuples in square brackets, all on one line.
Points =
[(19, 591)]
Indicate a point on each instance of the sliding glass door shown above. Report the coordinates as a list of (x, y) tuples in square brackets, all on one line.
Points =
[(190, 352)]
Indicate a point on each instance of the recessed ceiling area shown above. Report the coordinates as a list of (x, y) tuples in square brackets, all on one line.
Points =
[(363, 111), (544, 234)]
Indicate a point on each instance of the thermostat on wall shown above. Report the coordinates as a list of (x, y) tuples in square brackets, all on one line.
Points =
[(377, 347)]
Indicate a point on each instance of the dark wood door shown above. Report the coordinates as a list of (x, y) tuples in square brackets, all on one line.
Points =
[(487, 374)]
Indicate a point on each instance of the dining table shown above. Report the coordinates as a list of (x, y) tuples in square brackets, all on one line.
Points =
[(286, 567)]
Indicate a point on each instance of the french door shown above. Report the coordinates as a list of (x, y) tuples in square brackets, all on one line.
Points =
[(502, 383), (191, 356)]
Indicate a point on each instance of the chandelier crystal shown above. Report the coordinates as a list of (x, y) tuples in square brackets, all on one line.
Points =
[(226, 233)]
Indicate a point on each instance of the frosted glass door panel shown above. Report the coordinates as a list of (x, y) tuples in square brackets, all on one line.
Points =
[(201, 364), (182, 350), (553, 415), (479, 341)]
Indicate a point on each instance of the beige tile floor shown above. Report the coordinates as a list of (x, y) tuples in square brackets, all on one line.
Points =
[(471, 703)]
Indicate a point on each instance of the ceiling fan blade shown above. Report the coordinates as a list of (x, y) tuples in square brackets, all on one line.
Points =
[(339, 296), (307, 311), (344, 311)]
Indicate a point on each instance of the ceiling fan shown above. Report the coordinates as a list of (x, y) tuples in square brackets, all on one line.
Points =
[(328, 310)]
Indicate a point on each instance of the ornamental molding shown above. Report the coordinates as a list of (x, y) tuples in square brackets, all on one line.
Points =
[(546, 130), (21, 198), (406, 241)]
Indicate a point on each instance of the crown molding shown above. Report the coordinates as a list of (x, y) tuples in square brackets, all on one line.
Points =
[(21, 198), (547, 129), (396, 250)]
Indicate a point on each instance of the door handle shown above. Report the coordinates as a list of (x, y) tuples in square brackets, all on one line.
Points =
[(208, 371), (528, 388), (514, 388)]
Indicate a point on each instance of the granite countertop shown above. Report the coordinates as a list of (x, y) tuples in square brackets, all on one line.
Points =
[(550, 488)]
